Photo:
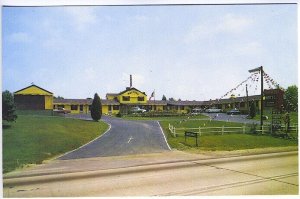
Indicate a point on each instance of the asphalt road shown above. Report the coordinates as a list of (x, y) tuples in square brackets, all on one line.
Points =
[(124, 138), (265, 174)]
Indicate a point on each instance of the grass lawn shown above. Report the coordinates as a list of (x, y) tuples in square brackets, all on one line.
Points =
[(33, 139), (195, 117), (226, 142), (293, 117)]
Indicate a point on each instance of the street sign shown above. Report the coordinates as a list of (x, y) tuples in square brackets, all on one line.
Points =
[(191, 134)]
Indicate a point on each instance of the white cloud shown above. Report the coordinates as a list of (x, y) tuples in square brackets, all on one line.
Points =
[(229, 23), (19, 37), (249, 49), (81, 16), (234, 24)]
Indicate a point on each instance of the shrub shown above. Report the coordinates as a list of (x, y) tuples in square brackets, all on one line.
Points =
[(96, 110)]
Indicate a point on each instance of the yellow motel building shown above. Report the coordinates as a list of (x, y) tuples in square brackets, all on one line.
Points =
[(36, 98)]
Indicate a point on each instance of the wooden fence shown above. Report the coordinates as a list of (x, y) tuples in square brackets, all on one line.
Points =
[(221, 130)]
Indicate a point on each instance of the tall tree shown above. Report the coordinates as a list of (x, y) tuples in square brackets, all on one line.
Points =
[(252, 110), (291, 98), (171, 99), (96, 109), (8, 107), (164, 98)]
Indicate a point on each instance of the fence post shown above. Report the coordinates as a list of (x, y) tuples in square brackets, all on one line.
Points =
[(262, 129), (174, 132), (200, 130), (222, 130), (244, 129)]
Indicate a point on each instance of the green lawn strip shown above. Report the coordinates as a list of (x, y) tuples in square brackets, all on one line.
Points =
[(226, 142), (293, 117), (33, 139), (186, 117)]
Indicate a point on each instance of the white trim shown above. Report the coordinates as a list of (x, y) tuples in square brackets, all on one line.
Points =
[(164, 135), (88, 142)]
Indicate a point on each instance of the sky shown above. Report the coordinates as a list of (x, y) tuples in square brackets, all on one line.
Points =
[(195, 52)]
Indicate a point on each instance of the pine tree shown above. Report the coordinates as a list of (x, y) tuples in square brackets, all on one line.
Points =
[(164, 98), (8, 107), (96, 109)]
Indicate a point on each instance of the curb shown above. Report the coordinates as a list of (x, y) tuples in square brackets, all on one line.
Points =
[(17, 180)]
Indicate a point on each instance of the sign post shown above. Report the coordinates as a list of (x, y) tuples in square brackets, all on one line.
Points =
[(191, 134)]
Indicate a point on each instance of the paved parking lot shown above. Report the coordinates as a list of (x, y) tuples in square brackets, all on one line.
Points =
[(231, 118)]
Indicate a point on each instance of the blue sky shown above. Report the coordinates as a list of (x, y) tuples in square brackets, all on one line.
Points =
[(186, 52)]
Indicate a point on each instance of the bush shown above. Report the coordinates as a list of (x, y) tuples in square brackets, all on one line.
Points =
[(8, 107), (119, 115), (252, 110), (253, 128)]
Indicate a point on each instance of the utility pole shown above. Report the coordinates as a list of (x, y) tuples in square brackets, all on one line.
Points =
[(261, 70), (261, 96), (247, 99)]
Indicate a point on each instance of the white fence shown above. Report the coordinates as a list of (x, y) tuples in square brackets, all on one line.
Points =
[(221, 130)]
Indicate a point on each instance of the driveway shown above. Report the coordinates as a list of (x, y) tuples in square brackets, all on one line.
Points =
[(231, 118), (123, 138)]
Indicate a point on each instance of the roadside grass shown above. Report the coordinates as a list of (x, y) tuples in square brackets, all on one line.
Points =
[(32, 139), (293, 117), (167, 118), (226, 142)]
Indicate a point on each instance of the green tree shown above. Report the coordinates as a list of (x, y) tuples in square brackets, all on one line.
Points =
[(8, 107), (291, 98), (252, 110), (171, 99), (96, 109), (164, 98)]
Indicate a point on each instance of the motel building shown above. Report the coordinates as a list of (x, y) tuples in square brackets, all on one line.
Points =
[(35, 98)]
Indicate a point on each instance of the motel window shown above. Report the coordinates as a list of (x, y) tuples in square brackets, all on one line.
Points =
[(60, 106), (126, 98), (81, 107), (74, 107), (182, 107), (115, 107), (141, 98), (109, 107)]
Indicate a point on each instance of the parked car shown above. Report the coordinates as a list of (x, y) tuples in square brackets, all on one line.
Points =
[(233, 112), (196, 111), (61, 110), (213, 110), (138, 110)]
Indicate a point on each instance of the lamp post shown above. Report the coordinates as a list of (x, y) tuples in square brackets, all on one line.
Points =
[(261, 92)]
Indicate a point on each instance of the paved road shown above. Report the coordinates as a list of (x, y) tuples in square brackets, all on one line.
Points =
[(266, 174), (231, 118), (124, 138)]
